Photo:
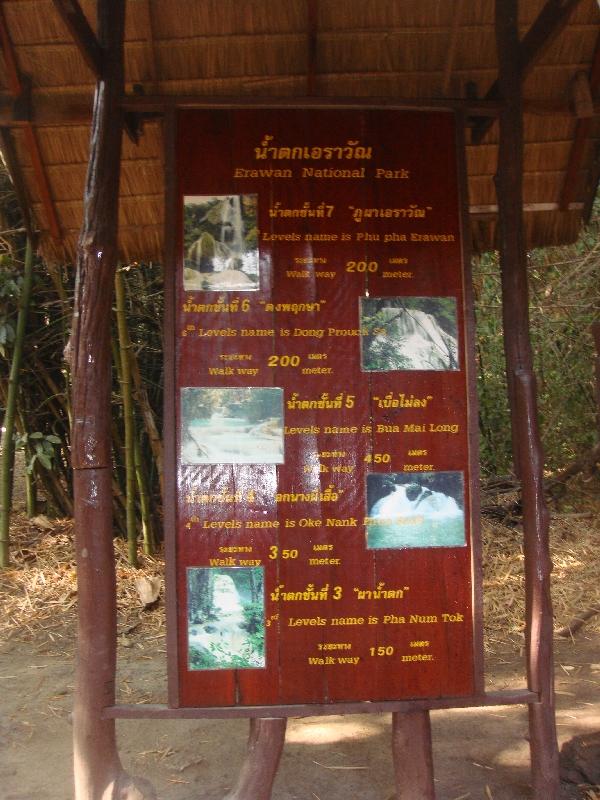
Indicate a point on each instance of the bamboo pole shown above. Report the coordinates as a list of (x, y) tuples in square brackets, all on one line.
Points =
[(527, 448), (148, 537), (7, 455), (128, 422), (141, 398)]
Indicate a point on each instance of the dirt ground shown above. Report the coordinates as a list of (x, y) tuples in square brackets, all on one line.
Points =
[(478, 753)]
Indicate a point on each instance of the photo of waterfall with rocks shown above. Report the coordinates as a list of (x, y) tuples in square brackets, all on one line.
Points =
[(226, 617), (408, 333), (227, 425), (220, 242), (421, 509)]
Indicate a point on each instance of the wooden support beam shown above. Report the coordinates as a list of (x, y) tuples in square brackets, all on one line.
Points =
[(581, 92), (583, 130), (93, 54), (13, 76), (42, 182), (527, 449), (549, 23), (71, 14), (152, 74), (50, 110), (7, 146), (18, 87)]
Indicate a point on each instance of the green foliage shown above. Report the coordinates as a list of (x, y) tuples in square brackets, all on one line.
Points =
[(564, 301), (39, 448), (254, 623), (10, 291)]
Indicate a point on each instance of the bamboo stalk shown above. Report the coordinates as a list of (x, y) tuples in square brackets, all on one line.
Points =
[(141, 397), (128, 421), (8, 447), (148, 536), (119, 500)]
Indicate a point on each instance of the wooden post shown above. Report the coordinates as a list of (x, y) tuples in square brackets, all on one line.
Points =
[(265, 743), (538, 603), (98, 771), (411, 752), (527, 449)]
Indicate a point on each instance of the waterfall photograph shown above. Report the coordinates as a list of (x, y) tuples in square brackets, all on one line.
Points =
[(227, 425), (408, 333), (417, 509), (226, 617), (220, 243)]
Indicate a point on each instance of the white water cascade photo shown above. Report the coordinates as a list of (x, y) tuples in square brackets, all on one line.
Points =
[(421, 509), (227, 425), (220, 243), (226, 626), (408, 333)]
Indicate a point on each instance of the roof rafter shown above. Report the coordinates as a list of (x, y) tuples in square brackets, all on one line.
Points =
[(549, 23), (19, 88), (583, 130), (75, 20), (91, 50)]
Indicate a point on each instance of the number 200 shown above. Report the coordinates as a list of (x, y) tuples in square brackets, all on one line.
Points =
[(283, 361), (362, 266)]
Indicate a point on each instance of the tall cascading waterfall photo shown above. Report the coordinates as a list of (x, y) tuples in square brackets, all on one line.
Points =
[(225, 618), (220, 242), (408, 333), (230, 425), (420, 509)]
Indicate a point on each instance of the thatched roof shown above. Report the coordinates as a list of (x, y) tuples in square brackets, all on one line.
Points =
[(414, 49)]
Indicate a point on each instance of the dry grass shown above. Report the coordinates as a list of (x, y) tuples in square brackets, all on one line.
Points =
[(574, 537), (38, 594)]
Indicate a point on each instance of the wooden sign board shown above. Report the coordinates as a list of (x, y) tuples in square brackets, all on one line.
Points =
[(321, 410)]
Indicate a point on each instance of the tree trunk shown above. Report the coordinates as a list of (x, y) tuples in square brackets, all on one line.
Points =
[(98, 771), (527, 449)]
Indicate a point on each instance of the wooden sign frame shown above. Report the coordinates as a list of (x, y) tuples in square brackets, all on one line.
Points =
[(474, 697)]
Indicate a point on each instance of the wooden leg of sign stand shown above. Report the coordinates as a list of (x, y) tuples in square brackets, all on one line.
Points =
[(411, 753), (265, 743)]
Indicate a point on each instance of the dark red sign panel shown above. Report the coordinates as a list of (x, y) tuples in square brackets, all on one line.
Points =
[(323, 507)]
